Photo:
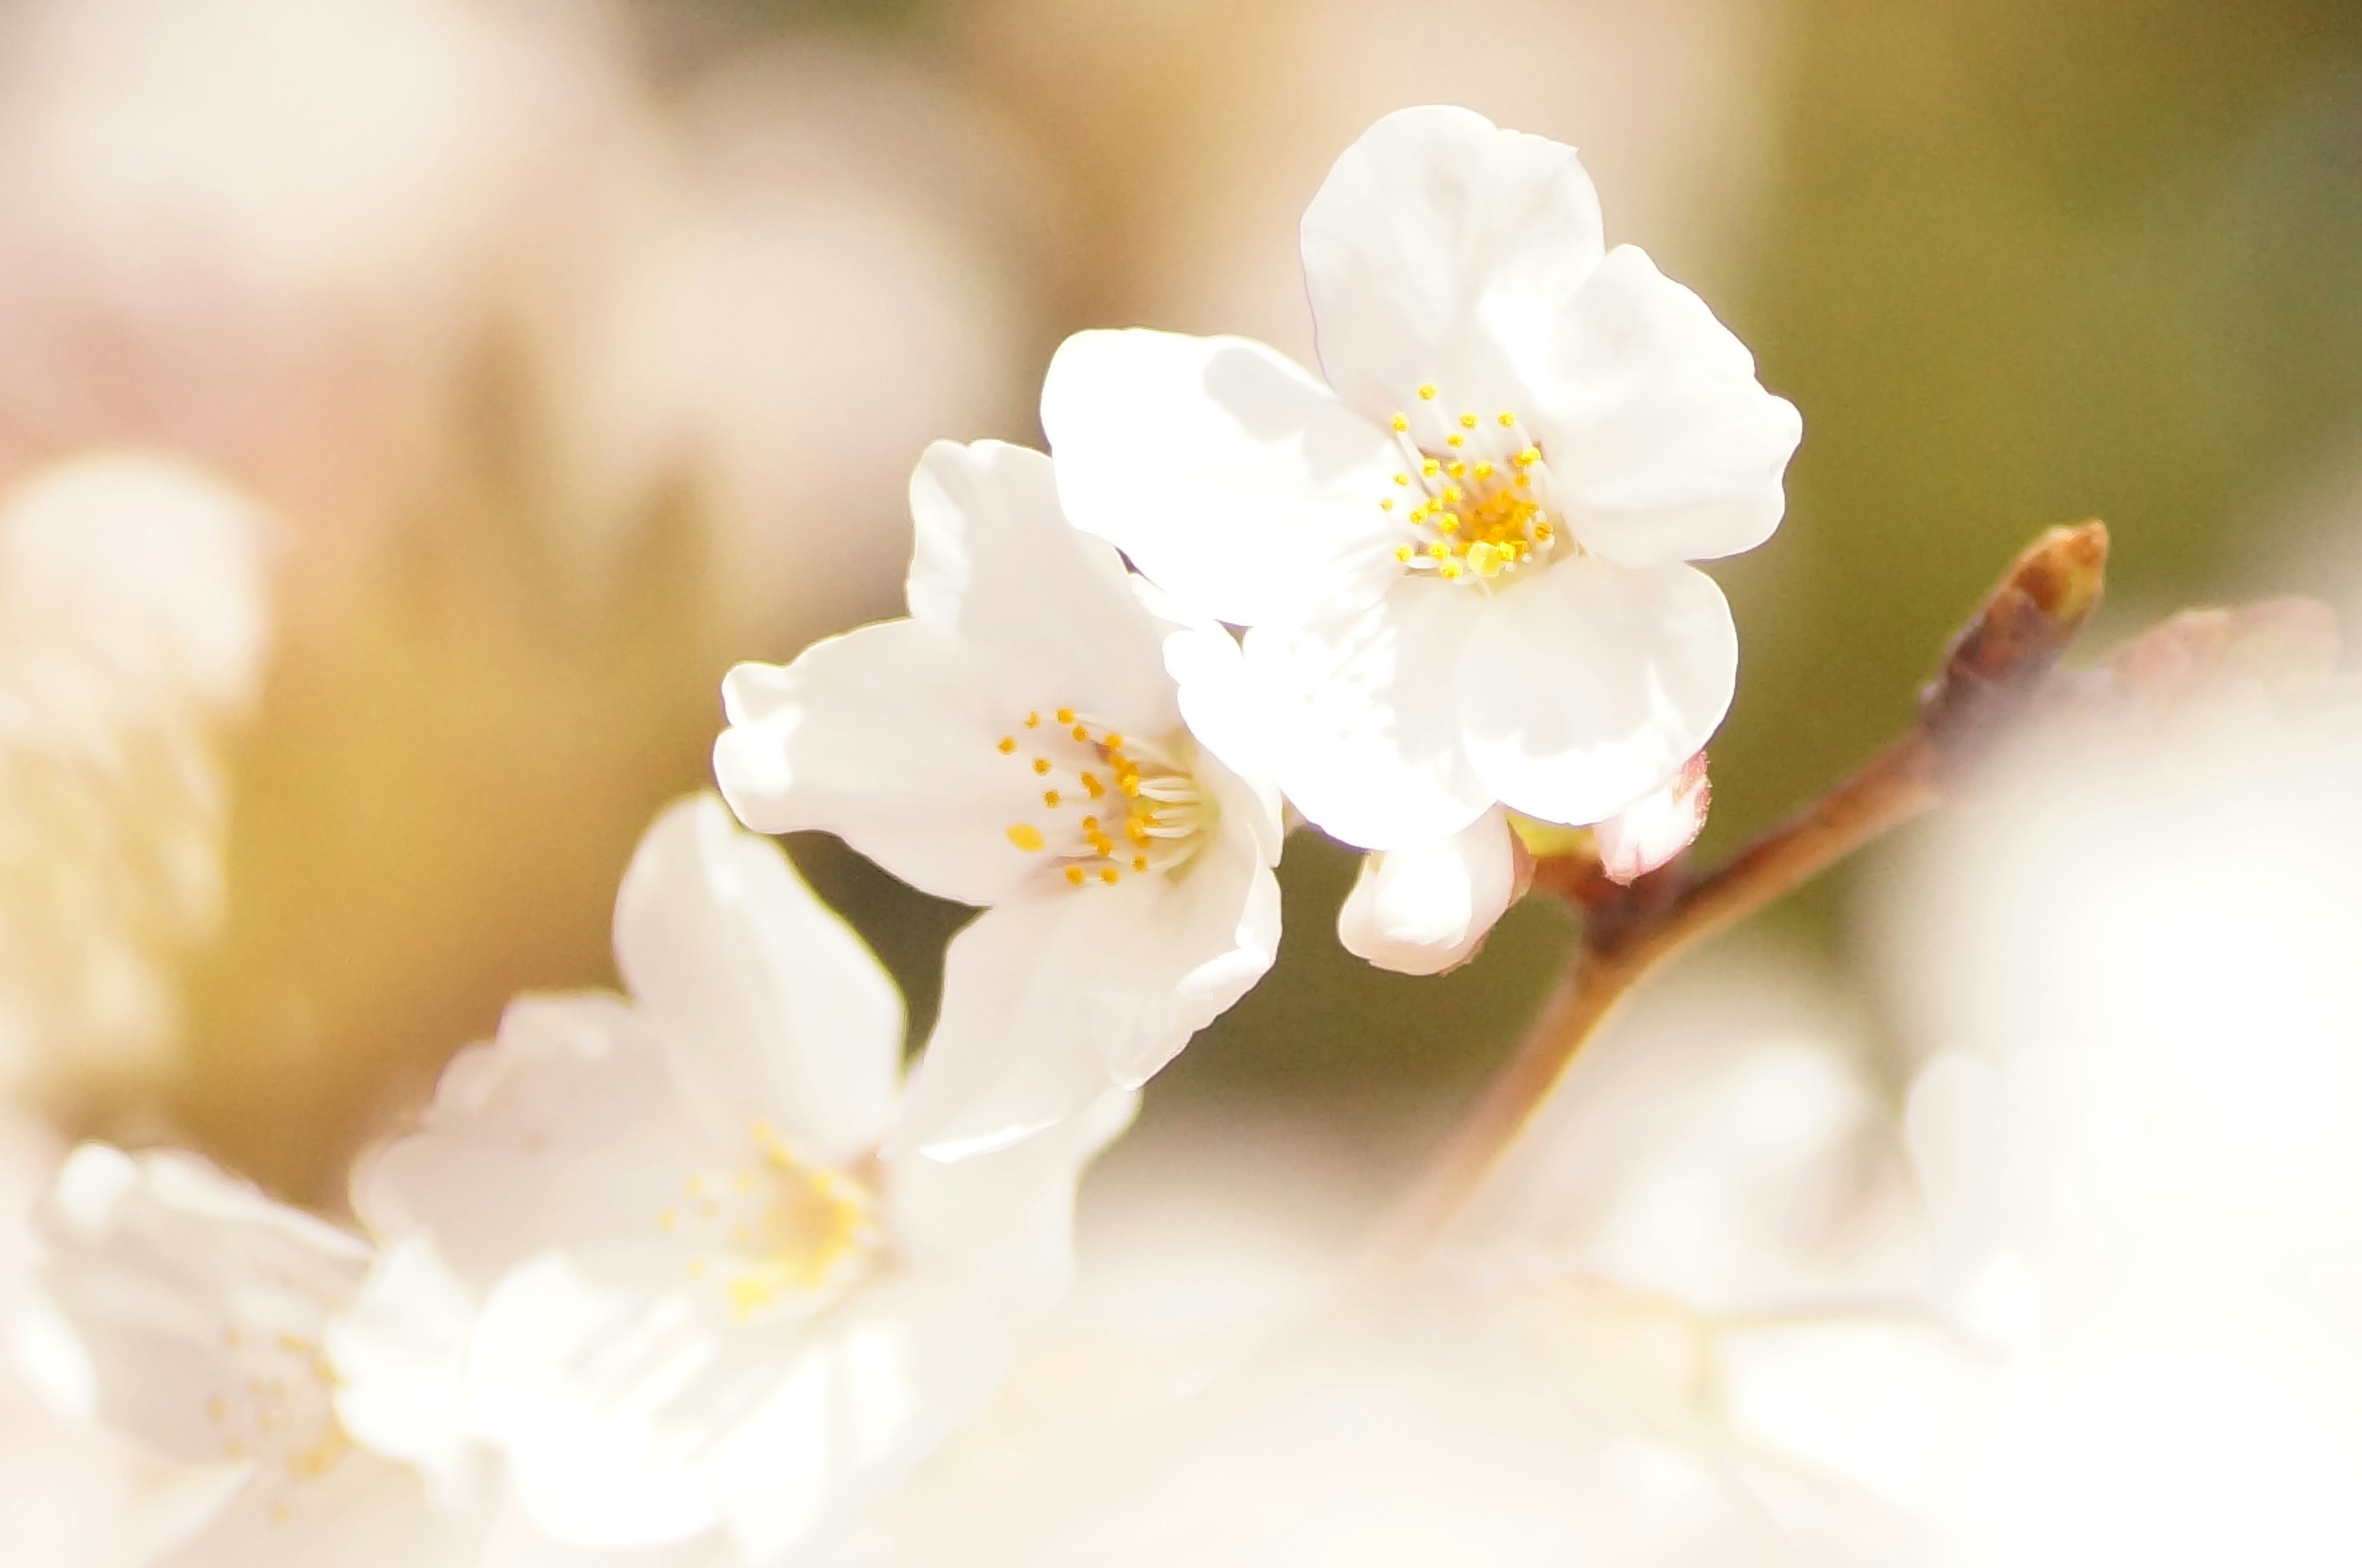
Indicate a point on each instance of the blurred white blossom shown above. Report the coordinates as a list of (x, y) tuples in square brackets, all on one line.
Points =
[(133, 626), (1464, 557), (1032, 738), (706, 1301)]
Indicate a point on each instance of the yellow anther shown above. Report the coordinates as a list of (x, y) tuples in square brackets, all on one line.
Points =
[(1402, 421), (1075, 875), (1467, 422), (1403, 552), (1402, 479), (1387, 505), (1447, 524), (1529, 456), (1090, 824), (1543, 532), (1129, 783), (1008, 744), (1140, 863), (1110, 875), (1050, 799), (1114, 742), (1135, 830), (1025, 836), (1507, 418), (1081, 733), (1526, 480), (1032, 721), (1456, 469), (1092, 786), (1066, 715), (1427, 392), (1484, 471), (1439, 551), (1451, 494), (1040, 764), (1430, 468), (1455, 439), (1448, 571)]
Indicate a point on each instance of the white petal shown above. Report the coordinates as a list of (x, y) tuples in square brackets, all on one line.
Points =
[(1643, 836), (567, 1133), (997, 565), (773, 1007), (1425, 908), (161, 1265), (400, 1355), (1054, 999), (1363, 716), (1440, 249), (888, 737), (364, 1512), (1006, 1218), (1226, 718), (1234, 480), (1589, 687), (1662, 446)]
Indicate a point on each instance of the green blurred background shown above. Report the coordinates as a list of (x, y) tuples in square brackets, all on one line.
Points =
[(2018, 263)]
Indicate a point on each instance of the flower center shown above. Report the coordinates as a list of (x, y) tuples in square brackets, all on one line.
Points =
[(276, 1403), (1470, 499), (777, 1232), (1112, 805)]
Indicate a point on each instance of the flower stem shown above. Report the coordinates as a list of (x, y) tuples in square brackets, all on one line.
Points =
[(1992, 672)]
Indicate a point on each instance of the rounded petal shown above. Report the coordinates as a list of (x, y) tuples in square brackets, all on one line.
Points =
[(1589, 687), (997, 565), (1234, 481), (567, 1133), (1426, 908), (400, 1355), (1219, 706), (1440, 250), (1054, 999), (1007, 1219), (1662, 446), (772, 1006), (890, 738), (1362, 717)]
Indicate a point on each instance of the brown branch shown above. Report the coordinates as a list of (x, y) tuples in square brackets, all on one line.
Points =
[(1992, 672)]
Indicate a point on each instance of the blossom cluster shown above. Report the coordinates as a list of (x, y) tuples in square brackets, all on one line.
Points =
[(690, 1275)]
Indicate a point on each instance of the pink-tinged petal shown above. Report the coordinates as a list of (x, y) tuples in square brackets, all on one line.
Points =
[(1427, 908), (1649, 832), (1589, 687), (1005, 1218), (772, 1007), (1361, 716), (889, 736), (1054, 999), (998, 566), (1439, 251), (1662, 446), (1234, 481)]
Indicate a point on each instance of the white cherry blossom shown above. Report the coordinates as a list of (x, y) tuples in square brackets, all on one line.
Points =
[(1464, 557), (203, 1309), (708, 1308), (1030, 738), (1423, 909)]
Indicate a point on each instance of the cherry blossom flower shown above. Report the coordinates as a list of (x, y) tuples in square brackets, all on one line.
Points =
[(1465, 556), (707, 1303), (1033, 739), (1426, 908), (203, 1309)]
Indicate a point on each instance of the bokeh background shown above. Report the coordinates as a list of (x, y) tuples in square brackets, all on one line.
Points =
[(577, 351)]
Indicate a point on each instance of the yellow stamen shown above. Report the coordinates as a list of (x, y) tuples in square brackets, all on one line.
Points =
[(1050, 799), (1040, 764), (1427, 392), (1025, 836), (1075, 875), (1008, 744)]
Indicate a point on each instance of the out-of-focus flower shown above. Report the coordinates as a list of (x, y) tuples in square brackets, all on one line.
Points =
[(1527, 437), (706, 1300), (203, 1307), (133, 625), (2133, 972), (1034, 739), (1424, 909)]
